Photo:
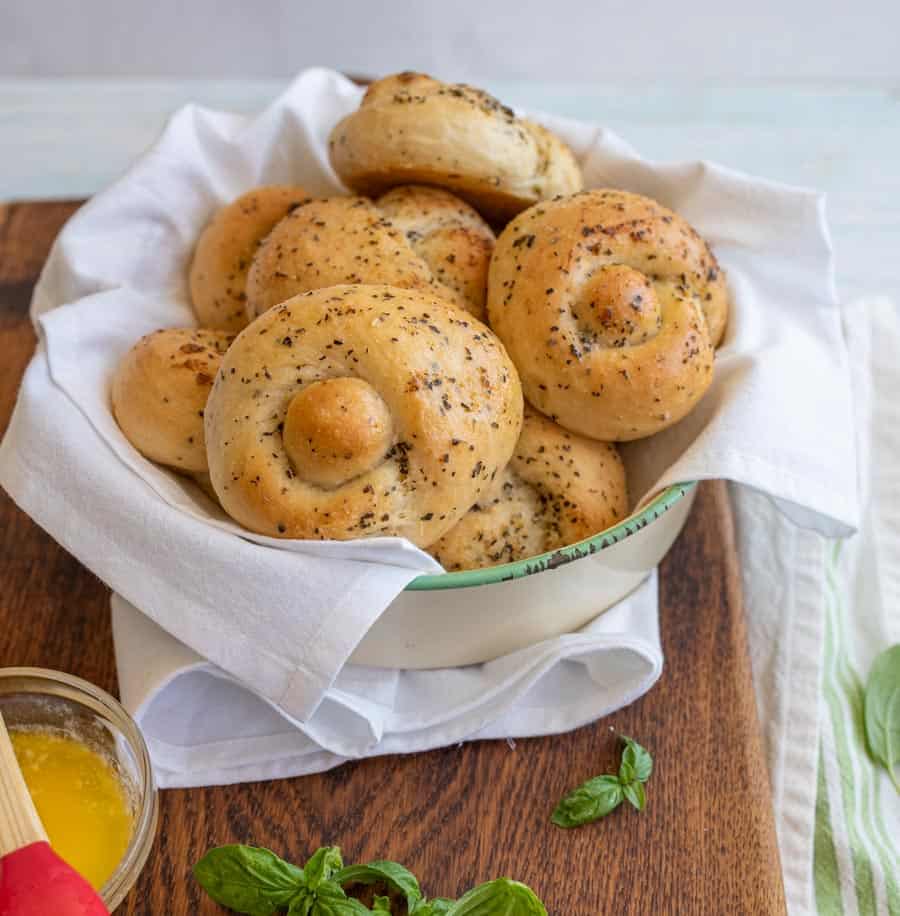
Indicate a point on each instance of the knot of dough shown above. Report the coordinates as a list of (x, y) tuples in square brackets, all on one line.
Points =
[(559, 488), (355, 411), (337, 429), (225, 249), (351, 240), (610, 306), (412, 129), (159, 393), (618, 307)]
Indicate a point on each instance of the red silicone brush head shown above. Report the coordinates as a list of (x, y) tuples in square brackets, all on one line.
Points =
[(34, 881)]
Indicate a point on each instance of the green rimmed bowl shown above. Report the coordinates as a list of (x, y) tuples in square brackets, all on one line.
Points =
[(464, 618)]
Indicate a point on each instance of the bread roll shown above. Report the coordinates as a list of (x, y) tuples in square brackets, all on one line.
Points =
[(610, 306), (449, 235), (159, 394), (412, 129), (218, 273), (440, 246), (355, 411), (559, 488)]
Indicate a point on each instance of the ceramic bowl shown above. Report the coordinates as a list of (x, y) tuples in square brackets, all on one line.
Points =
[(463, 618)]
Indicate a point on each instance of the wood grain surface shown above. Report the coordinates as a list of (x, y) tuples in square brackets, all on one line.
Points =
[(704, 845)]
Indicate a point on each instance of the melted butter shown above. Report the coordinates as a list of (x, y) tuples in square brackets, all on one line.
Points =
[(80, 799)]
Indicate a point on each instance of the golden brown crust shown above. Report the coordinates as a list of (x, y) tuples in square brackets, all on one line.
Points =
[(218, 273), (412, 129), (351, 240), (453, 396), (558, 488), (602, 300), (159, 394), (449, 235), (337, 429)]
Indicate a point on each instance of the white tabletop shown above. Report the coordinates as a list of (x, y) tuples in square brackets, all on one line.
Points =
[(67, 138)]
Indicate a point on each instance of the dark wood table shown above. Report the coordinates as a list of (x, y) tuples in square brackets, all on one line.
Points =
[(704, 845)]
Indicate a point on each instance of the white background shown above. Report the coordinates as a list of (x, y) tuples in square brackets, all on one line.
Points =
[(797, 91), (548, 40)]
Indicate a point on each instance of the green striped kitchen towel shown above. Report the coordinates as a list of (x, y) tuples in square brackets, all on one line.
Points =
[(818, 612), (857, 827)]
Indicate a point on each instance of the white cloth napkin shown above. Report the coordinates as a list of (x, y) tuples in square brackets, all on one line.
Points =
[(777, 418), (205, 728)]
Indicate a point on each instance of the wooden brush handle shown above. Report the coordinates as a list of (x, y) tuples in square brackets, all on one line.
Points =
[(19, 821)]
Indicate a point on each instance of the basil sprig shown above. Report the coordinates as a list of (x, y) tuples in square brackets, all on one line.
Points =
[(255, 881), (882, 709), (603, 794)]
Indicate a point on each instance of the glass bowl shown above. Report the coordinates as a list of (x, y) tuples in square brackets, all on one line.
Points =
[(38, 697)]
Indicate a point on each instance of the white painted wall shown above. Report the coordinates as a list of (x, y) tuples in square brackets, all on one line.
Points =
[(613, 41)]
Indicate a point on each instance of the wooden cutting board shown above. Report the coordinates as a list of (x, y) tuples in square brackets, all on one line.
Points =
[(704, 845)]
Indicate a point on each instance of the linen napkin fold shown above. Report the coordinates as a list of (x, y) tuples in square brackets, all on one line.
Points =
[(283, 617), (203, 727)]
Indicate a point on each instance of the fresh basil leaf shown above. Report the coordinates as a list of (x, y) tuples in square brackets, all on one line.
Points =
[(590, 801), (626, 773), (302, 904), (440, 906), (332, 901), (328, 899), (382, 905), (394, 875), (636, 760), (323, 864), (882, 709), (248, 879), (634, 792), (501, 897)]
